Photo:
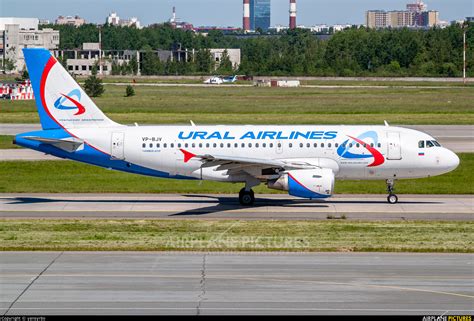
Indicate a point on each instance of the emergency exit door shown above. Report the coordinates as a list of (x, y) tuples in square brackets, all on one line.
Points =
[(117, 151)]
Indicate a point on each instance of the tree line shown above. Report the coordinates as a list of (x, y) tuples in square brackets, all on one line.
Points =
[(352, 52)]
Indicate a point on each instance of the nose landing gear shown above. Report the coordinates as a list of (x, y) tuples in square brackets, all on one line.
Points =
[(391, 198)]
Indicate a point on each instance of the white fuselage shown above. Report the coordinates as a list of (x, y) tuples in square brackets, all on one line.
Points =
[(160, 148)]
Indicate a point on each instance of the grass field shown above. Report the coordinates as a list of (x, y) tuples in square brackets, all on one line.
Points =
[(250, 105), (6, 142), (199, 235), (71, 177)]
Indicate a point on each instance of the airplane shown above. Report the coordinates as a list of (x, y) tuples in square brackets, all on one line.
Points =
[(214, 81), (229, 79), (305, 161)]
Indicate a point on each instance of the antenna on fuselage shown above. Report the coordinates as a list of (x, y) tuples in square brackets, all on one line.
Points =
[(192, 123), (386, 123)]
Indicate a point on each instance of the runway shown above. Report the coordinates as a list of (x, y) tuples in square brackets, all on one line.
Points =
[(458, 138), (47, 283), (267, 207)]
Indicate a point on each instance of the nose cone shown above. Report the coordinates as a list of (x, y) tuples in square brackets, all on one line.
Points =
[(450, 160)]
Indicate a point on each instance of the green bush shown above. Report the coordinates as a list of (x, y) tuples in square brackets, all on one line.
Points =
[(129, 91)]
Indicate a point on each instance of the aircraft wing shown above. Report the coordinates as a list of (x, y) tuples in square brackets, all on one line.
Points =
[(239, 163)]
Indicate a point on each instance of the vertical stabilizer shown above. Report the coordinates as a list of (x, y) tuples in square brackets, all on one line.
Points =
[(61, 102)]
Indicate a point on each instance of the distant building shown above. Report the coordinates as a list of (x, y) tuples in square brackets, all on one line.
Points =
[(82, 61), (415, 16), (234, 56), (470, 19), (260, 14), (75, 21), (114, 20), (19, 33)]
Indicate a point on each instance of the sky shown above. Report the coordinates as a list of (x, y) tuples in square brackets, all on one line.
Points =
[(223, 12)]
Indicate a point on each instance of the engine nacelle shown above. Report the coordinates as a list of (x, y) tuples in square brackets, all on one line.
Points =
[(306, 183)]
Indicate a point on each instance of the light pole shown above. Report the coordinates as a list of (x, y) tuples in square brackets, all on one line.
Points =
[(100, 51)]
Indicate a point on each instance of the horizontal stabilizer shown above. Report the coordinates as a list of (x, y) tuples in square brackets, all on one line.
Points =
[(70, 144)]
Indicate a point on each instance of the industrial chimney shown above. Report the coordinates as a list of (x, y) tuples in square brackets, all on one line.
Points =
[(246, 24), (292, 14)]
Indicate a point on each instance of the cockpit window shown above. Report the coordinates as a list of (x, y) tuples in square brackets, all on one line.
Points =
[(429, 144), (421, 144), (436, 143)]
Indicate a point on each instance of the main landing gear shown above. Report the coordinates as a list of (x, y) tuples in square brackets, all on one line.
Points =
[(391, 198), (246, 198)]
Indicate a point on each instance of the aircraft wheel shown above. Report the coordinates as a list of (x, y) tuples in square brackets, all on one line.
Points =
[(246, 198), (392, 199)]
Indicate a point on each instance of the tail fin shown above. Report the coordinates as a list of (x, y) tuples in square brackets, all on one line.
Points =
[(61, 102)]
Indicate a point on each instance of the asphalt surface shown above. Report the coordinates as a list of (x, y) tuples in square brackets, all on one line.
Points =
[(458, 138), (46, 283), (267, 207)]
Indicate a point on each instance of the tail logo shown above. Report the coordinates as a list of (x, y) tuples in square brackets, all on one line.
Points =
[(67, 102), (344, 148)]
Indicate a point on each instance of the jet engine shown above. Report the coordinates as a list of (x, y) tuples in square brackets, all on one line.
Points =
[(306, 183)]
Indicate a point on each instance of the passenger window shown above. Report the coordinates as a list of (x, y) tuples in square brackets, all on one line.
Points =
[(322, 144), (371, 144), (290, 145), (207, 145), (243, 145), (228, 145), (315, 145), (308, 145), (301, 145), (256, 145), (336, 145), (279, 144), (250, 145), (357, 145), (193, 145), (329, 145), (151, 145), (214, 145), (271, 145), (186, 145), (172, 145), (350, 144), (164, 145), (144, 145), (236, 145), (421, 144), (222, 145), (264, 145), (179, 145), (200, 145), (158, 145), (379, 145)]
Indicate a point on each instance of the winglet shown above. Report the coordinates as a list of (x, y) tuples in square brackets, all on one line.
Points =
[(187, 155)]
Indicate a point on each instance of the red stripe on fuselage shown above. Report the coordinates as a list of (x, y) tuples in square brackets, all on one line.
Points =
[(378, 157)]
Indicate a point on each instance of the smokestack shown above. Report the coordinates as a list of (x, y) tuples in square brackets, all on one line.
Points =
[(246, 23), (292, 14)]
